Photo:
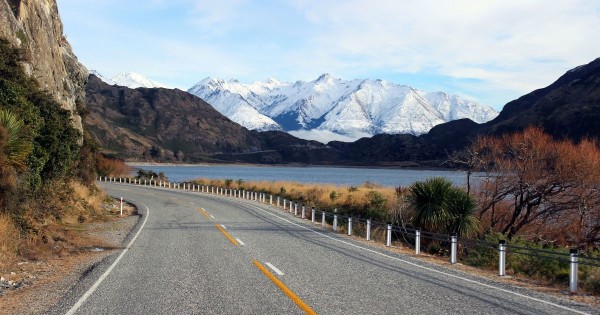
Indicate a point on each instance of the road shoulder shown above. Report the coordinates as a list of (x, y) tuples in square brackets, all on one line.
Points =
[(43, 284)]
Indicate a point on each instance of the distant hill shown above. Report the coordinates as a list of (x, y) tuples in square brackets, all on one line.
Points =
[(160, 124)]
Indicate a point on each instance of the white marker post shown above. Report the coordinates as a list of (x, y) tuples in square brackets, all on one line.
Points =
[(121, 206)]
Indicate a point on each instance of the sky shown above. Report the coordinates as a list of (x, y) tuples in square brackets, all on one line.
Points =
[(491, 51)]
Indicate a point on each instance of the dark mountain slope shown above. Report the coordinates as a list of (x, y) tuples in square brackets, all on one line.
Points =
[(161, 124), (172, 125), (568, 108)]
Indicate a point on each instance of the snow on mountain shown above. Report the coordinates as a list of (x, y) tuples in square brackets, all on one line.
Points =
[(101, 77), (130, 79), (234, 100), (335, 109)]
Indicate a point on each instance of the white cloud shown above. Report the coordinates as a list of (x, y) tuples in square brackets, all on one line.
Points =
[(490, 49), (511, 45)]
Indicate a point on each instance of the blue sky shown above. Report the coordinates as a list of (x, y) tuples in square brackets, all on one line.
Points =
[(493, 51)]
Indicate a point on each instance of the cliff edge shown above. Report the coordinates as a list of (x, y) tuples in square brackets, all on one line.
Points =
[(34, 26)]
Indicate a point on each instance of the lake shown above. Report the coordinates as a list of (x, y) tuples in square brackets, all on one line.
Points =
[(310, 174)]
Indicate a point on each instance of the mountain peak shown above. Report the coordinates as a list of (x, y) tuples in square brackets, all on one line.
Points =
[(131, 80), (324, 77)]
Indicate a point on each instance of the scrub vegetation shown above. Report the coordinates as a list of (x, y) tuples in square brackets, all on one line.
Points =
[(47, 166)]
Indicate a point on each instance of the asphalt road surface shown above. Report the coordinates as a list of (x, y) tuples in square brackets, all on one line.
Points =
[(196, 253)]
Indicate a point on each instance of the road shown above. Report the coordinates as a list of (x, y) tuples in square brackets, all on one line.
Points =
[(196, 253)]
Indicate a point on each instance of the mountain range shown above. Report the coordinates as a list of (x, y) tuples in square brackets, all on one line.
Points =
[(334, 109), (171, 125), (327, 108)]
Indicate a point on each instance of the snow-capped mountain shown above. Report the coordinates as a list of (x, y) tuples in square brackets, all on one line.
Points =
[(129, 79), (334, 109)]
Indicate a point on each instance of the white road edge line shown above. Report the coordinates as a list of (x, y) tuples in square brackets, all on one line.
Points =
[(212, 216), (241, 243), (277, 271), (426, 268), (224, 228), (91, 290)]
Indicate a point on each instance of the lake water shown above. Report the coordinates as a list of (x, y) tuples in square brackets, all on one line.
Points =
[(311, 174)]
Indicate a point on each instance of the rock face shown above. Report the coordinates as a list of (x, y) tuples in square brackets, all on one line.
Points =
[(35, 27)]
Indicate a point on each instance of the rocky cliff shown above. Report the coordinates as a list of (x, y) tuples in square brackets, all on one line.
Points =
[(34, 26)]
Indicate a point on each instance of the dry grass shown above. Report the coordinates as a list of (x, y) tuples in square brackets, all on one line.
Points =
[(51, 225), (322, 196), (10, 241)]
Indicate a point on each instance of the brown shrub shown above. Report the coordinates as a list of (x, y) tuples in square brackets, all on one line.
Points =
[(539, 186), (107, 166)]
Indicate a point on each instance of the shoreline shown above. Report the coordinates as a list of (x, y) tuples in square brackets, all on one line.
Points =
[(298, 165)]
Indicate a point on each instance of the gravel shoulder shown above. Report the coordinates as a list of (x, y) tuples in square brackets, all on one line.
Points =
[(34, 287)]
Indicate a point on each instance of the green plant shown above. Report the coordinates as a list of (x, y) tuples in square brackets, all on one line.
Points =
[(16, 148), (376, 207), (228, 182), (22, 37), (440, 207), (333, 195)]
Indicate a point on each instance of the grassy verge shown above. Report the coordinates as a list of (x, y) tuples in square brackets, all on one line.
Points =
[(368, 200), (53, 226)]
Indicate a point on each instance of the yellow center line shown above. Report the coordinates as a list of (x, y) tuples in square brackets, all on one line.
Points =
[(203, 212), (231, 239), (285, 289)]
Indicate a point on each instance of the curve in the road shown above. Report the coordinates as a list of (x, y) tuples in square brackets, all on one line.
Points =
[(93, 288)]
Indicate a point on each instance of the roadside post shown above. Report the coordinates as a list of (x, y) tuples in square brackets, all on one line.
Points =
[(453, 248), (502, 258), (349, 226), (574, 262), (335, 220), (388, 239)]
